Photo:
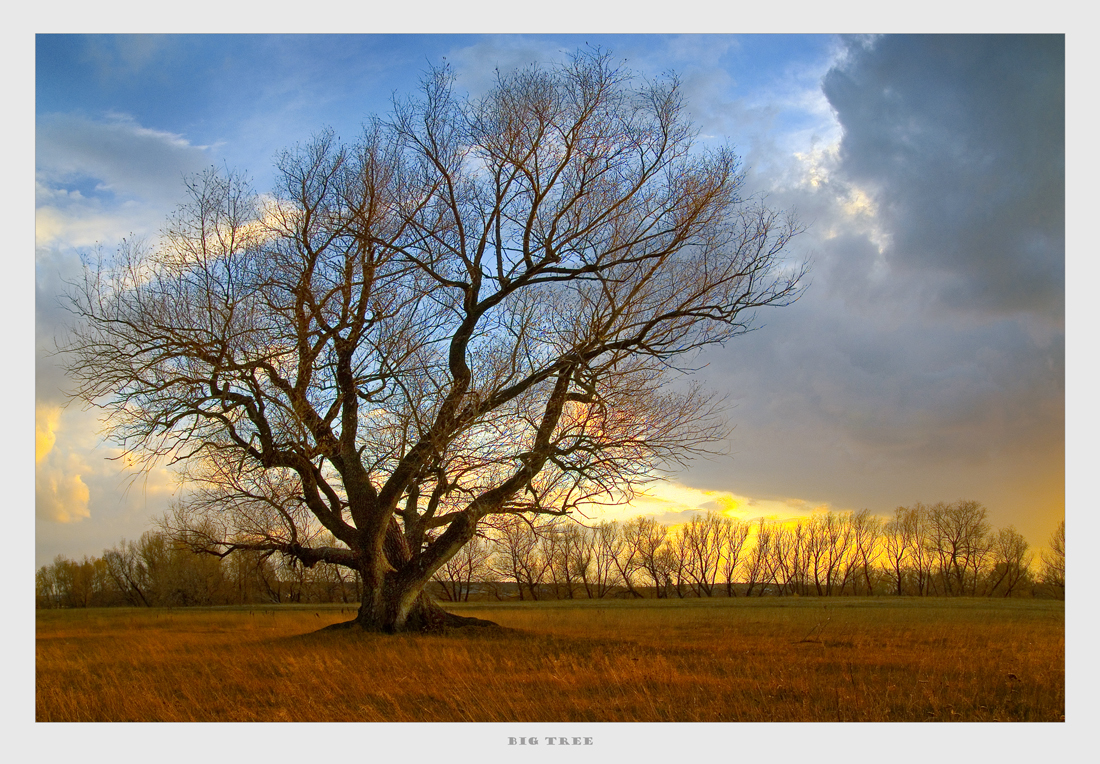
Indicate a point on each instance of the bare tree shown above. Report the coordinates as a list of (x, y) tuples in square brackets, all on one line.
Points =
[(471, 565), (475, 309), (734, 535), (702, 538), (125, 568), (1010, 563), (923, 558), (959, 539), (653, 554), (830, 538), (789, 555), (68, 583), (823, 551), (518, 556), (584, 558), (559, 545), (335, 583), (866, 548), (54, 583), (909, 550), (629, 548), (759, 570), (595, 553), (1053, 572), (677, 558), (897, 547), (49, 592)]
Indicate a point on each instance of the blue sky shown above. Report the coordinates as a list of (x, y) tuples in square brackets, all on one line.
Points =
[(243, 97), (926, 361)]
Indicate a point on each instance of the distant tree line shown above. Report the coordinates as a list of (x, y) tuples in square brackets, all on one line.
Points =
[(156, 571), (943, 549)]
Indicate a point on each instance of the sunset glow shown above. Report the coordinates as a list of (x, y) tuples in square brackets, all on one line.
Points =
[(673, 503), (576, 397), (925, 362)]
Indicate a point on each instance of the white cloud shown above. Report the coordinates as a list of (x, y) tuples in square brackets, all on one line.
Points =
[(79, 479), (45, 425), (60, 494), (118, 56), (704, 50), (115, 155)]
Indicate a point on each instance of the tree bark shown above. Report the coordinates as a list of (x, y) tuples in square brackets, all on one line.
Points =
[(391, 604), (424, 615)]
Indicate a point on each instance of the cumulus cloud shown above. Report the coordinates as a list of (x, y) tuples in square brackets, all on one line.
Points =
[(63, 438), (60, 494), (78, 477), (45, 426), (926, 361)]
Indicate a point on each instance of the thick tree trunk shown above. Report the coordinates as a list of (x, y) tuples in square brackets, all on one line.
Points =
[(424, 614), (392, 605)]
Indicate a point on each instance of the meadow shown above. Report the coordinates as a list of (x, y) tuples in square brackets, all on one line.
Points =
[(721, 660)]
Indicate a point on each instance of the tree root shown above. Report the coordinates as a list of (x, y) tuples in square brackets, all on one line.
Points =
[(449, 623), (426, 616)]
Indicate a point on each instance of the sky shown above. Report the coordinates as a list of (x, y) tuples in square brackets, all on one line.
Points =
[(925, 362)]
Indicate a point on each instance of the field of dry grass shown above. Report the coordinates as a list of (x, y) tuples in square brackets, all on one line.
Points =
[(694, 660)]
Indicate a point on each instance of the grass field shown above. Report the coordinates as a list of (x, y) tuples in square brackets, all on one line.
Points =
[(771, 659)]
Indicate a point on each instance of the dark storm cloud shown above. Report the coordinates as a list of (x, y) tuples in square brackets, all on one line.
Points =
[(961, 140), (926, 360)]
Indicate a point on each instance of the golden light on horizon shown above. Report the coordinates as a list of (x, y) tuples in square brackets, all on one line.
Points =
[(666, 500)]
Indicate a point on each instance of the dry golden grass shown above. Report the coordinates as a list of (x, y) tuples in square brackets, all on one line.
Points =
[(709, 660)]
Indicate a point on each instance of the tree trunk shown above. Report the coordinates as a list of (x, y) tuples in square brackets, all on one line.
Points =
[(392, 605)]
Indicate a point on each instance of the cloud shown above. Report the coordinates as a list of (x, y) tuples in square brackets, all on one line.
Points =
[(915, 367), (62, 439), (60, 495), (83, 163), (96, 181), (118, 56), (960, 139), (926, 361), (78, 477), (45, 424)]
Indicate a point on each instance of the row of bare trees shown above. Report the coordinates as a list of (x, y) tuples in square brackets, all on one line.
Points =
[(563, 559), (156, 571), (946, 549)]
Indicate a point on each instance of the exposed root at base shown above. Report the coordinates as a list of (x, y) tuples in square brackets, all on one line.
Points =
[(443, 623), (463, 621)]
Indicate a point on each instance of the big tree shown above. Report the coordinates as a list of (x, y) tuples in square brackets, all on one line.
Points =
[(480, 307)]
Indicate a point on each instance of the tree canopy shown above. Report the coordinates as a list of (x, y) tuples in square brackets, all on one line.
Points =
[(480, 307)]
